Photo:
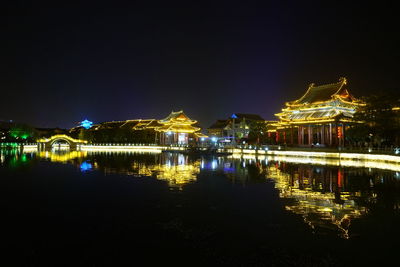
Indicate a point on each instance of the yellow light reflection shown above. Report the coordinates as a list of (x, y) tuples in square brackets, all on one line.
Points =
[(318, 209), (62, 157), (175, 169), (175, 175)]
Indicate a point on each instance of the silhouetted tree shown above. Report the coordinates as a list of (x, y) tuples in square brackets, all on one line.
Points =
[(258, 132), (381, 121)]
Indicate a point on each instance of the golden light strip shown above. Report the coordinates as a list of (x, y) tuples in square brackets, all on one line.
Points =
[(119, 148), (61, 136), (386, 162)]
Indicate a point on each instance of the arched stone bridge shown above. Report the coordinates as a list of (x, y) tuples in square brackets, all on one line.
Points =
[(47, 143)]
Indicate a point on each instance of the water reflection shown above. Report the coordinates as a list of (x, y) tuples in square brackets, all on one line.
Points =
[(328, 197), (86, 166), (62, 155), (320, 195), (13, 158), (176, 169)]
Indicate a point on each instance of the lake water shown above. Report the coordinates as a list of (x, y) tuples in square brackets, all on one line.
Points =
[(95, 209)]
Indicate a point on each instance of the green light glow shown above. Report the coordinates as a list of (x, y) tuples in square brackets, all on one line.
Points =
[(19, 133)]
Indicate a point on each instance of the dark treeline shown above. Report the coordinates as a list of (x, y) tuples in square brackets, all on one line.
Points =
[(379, 122)]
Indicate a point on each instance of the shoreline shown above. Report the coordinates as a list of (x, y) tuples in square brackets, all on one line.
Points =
[(385, 158), (343, 156)]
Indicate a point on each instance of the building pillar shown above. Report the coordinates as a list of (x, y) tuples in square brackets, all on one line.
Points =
[(330, 134), (336, 135), (310, 135), (291, 135), (298, 135), (343, 134), (302, 135), (323, 134)]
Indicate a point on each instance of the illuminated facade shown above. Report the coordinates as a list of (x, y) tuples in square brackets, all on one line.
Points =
[(234, 128), (177, 128), (320, 117)]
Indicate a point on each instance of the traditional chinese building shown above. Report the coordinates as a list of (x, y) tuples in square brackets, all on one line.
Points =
[(320, 117), (177, 128), (234, 128), (217, 129)]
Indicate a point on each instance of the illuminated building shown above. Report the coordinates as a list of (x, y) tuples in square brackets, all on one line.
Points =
[(234, 128), (320, 117), (138, 124), (177, 128), (217, 129)]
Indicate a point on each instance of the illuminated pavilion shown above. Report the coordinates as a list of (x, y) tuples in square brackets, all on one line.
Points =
[(177, 128), (320, 117)]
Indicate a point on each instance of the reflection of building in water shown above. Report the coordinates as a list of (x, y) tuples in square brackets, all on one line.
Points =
[(320, 195), (174, 168), (327, 198)]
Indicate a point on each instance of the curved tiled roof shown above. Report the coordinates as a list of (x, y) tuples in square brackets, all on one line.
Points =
[(321, 93), (178, 115)]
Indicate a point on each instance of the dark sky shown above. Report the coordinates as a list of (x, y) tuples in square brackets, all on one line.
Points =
[(61, 64)]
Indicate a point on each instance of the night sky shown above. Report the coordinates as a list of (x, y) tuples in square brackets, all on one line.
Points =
[(61, 64)]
